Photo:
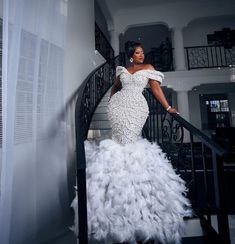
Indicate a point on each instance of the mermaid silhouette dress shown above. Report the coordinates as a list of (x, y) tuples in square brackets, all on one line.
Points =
[(133, 192)]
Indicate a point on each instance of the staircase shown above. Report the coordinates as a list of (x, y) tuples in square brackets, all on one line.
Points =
[(194, 235), (196, 232), (168, 131), (100, 126)]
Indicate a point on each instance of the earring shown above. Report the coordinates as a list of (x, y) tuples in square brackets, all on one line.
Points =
[(131, 60)]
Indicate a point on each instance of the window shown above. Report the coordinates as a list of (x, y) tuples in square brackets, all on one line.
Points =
[(217, 112), (216, 106)]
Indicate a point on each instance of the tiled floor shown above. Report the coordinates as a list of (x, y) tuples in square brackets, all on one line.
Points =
[(69, 238)]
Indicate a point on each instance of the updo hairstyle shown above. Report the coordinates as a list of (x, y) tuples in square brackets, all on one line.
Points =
[(130, 47)]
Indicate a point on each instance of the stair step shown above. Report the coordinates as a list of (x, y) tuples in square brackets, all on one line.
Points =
[(100, 125), (99, 134), (193, 228), (100, 117), (195, 240), (103, 103), (105, 99), (101, 109)]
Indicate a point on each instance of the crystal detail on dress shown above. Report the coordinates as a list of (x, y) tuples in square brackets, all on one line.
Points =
[(128, 109)]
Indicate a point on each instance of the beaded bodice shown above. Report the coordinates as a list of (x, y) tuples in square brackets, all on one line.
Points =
[(128, 109), (138, 80)]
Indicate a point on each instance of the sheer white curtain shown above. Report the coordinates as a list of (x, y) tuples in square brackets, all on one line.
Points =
[(1, 14), (33, 198)]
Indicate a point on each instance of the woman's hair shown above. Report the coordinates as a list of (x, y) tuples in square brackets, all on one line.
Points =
[(130, 47)]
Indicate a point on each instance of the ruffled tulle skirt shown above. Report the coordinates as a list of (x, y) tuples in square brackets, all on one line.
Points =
[(133, 193)]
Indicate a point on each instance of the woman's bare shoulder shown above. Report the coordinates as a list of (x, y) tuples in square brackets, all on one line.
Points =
[(149, 66)]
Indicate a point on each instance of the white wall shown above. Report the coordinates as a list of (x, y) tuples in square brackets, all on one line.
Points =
[(80, 59), (186, 80), (101, 21), (80, 56)]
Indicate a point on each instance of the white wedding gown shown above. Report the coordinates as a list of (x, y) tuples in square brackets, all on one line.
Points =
[(133, 192)]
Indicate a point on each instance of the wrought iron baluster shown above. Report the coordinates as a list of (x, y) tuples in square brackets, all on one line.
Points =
[(225, 56), (208, 56), (157, 110), (216, 57), (221, 60), (103, 45), (171, 140), (206, 185), (195, 202), (153, 120), (81, 179), (207, 52), (222, 217), (212, 59), (88, 97)]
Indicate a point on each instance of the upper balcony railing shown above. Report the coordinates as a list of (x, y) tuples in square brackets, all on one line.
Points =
[(161, 58), (210, 56), (197, 57)]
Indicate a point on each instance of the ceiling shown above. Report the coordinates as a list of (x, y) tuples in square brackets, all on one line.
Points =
[(115, 6), (112, 7)]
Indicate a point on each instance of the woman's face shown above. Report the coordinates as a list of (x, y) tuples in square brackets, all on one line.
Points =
[(138, 56)]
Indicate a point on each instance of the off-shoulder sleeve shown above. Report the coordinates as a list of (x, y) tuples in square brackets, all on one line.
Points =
[(119, 70), (154, 75)]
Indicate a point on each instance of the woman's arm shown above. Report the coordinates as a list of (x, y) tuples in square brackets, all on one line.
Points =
[(117, 86), (159, 95)]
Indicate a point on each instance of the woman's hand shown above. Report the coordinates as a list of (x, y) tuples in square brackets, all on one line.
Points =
[(173, 111)]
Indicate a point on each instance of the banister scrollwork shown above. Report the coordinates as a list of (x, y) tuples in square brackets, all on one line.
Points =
[(164, 129)]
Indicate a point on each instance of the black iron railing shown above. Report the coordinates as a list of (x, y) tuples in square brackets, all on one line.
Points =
[(161, 58), (190, 158), (197, 57), (89, 95), (103, 45), (210, 57)]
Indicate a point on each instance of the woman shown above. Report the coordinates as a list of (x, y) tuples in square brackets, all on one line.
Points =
[(134, 81), (133, 192)]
